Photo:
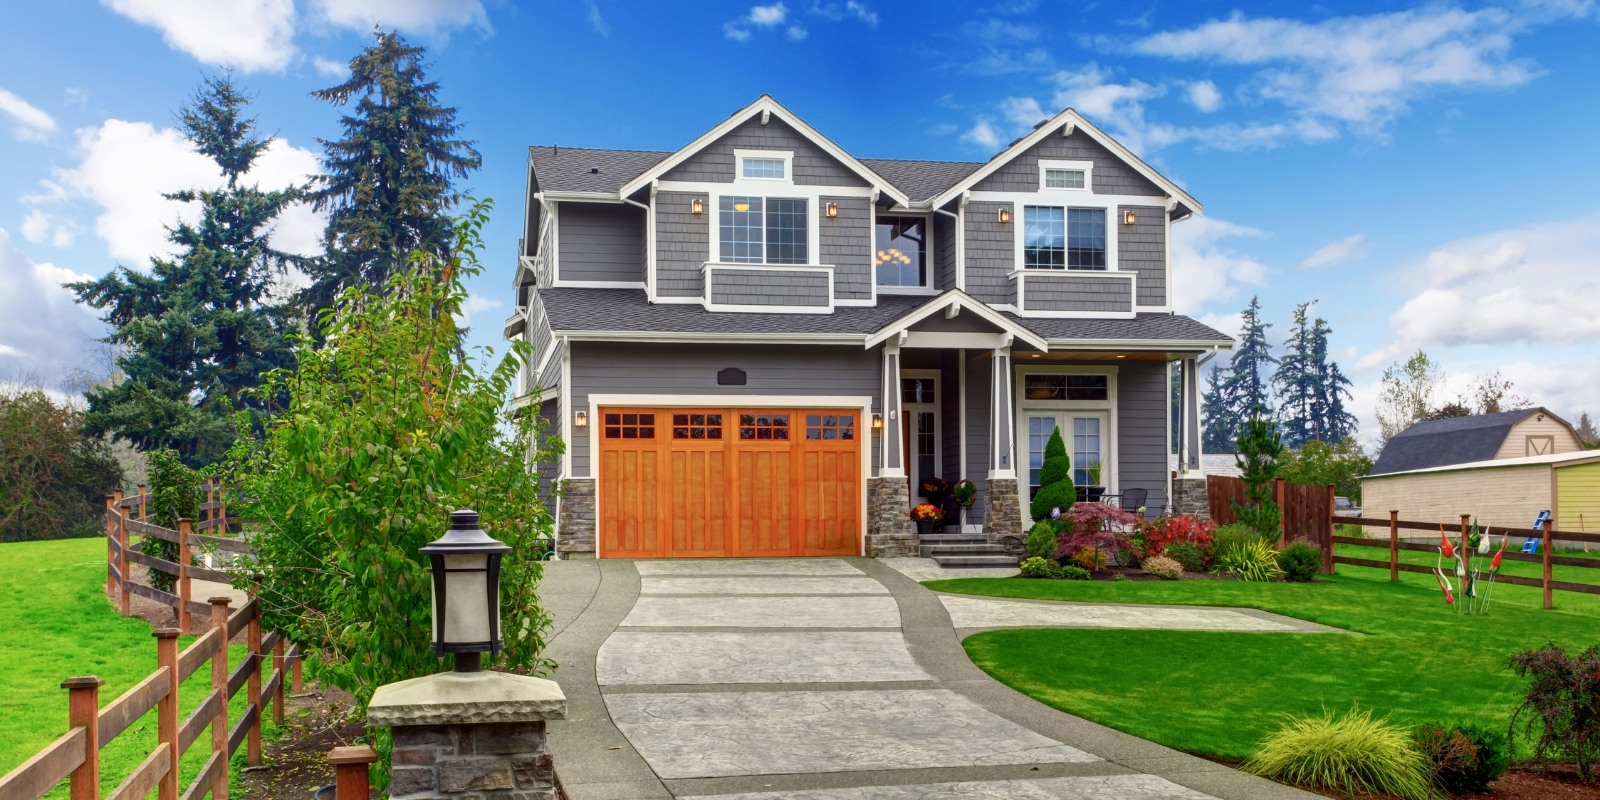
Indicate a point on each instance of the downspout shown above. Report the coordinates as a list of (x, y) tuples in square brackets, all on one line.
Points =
[(960, 278)]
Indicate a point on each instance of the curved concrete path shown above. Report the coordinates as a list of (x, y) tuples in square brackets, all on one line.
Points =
[(831, 679)]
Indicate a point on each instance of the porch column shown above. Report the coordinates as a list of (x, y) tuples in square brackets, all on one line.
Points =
[(892, 463), (889, 528), (1189, 488), (1003, 513)]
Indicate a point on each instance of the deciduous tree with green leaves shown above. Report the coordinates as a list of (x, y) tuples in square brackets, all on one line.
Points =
[(388, 428), (174, 495)]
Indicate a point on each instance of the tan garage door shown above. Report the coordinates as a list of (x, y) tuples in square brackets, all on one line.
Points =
[(720, 482)]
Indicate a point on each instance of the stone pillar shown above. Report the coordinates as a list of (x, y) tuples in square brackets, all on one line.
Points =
[(1003, 514), (575, 529), (889, 528), (1189, 496), (470, 735)]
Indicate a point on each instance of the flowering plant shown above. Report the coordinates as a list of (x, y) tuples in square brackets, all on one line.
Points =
[(927, 512), (1188, 529), (936, 489)]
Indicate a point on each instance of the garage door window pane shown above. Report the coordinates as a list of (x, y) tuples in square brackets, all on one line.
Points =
[(630, 426), (764, 426), (697, 426), (831, 426)]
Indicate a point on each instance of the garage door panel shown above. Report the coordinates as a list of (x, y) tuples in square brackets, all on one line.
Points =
[(698, 516), (766, 511), (630, 502), (832, 503)]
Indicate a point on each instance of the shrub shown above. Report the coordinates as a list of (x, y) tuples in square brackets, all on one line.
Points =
[(1089, 558), (1256, 561), (1187, 555), (1232, 536), (174, 495), (1350, 754), (53, 476), (1036, 567), (1095, 525), (1072, 572), (1164, 532), (1464, 759), (1300, 561), (1042, 539), (1056, 489), (1163, 567), (1561, 708)]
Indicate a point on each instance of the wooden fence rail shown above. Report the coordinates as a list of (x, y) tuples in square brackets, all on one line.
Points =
[(1547, 536), (75, 756)]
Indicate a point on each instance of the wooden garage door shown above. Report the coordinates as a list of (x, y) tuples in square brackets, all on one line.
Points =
[(719, 482)]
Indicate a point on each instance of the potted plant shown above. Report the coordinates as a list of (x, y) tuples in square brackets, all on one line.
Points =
[(962, 494), (1095, 490), (926, 516), (937, 490)]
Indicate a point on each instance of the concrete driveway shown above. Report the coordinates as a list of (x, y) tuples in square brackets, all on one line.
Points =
[(833, 679)]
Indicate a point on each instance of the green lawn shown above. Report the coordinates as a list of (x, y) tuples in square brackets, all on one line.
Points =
[(1218, 693), (58, 624)]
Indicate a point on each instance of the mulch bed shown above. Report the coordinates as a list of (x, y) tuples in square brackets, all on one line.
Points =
[(1110, 573), (296, 765)]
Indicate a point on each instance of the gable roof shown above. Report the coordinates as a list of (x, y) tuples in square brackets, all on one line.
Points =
[(1553, 459), (764, 105), (1446, 442), (580, 169), (921, 180), (1049, 128), (960, 301)]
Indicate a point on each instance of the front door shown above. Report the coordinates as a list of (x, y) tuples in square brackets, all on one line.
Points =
[(1085, 435), (919, 409)]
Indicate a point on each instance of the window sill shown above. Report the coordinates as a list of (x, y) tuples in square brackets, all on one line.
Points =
[(921, 291)]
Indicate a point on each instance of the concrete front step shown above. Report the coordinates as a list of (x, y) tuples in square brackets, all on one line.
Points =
[(958, 562), (953, 538), (963, 549)]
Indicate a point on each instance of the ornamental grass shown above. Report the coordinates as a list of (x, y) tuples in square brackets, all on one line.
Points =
[(1348, 754)]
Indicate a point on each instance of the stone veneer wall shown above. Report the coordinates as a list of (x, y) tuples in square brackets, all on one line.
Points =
[(1189, 497), (575, 530), (505, 761), (1003, 514), (889, 528)]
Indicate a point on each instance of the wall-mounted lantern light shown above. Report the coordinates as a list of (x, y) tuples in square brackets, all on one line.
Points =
[(877, 422), (1005, 216), (1129, 218), (697, 206), (833, 210), (466, 592), (580, 419)]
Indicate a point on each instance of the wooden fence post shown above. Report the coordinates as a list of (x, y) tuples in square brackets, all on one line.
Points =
[(253, 696), (1330, 531), (1544, 549), (83, 710), (352, 781), (167, 709), (1278, 497), (294, 668), (1394, 546), (283, 686), (219, 684), (111, 546), (185, 622), (123, 540), (144, 504)]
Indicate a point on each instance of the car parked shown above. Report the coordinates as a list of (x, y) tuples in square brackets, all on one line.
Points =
[(1342, 507)]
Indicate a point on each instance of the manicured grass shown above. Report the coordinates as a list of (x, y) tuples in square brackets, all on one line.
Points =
[(1219, 693), (57, 623)]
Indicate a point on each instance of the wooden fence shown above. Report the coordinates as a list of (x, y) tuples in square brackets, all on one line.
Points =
[(1305, 509), (1547, 536), (76, 755)]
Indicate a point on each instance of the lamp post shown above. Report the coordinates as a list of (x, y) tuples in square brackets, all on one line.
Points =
[(466, 591)]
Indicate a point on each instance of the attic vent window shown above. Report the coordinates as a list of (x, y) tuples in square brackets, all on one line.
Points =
[(763, 168), (732, 376), (1063, 178)]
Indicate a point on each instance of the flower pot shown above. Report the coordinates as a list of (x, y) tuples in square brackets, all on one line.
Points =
[(924, 527), (1092, 494)]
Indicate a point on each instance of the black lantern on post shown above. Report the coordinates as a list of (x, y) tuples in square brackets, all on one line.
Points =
[(466, 591)]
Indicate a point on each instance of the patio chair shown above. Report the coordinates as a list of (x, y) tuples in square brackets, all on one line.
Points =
[(1014, 546), (1130, 499)]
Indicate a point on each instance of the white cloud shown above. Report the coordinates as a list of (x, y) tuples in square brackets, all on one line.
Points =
[(127, 166), (768, 16), (1023, 112), (596, 21), (331, 68), (41, 227), (851, 9), (1205, 269), (731, 30), (1000, 30), (1204, 96), (30, 123), (983, 135), (796, 33), (415, 16), (43, 331), (251, 35), (1354, 246)]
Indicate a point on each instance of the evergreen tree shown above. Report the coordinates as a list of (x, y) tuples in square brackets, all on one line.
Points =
[(1056, 487), (1249, 373), (1331, 423), (1339, 424), (1299, 382), (1220, 426), (387, 183), (199, 329), (1258, 453)]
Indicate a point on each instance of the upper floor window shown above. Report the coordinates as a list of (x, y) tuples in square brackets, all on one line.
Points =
[(762, 168), (1066, 387), (1063, 238), (901, 252), (762, 230), (1056, 178)]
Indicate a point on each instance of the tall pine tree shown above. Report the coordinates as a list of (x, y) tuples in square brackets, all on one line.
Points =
[(1331, 423), (1221, 427), (198, 330), (1248, 376), (1299, 382), (388, 183)]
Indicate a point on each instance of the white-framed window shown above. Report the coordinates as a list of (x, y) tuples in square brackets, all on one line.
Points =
[(1066, 175), (900, 252), (1063, 237), (764, 165), (763, 230), (1080, 401)]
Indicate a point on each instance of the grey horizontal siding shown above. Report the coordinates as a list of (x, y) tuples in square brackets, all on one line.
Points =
[(977, 422), (1111, 175), (666, 369), (846, 243), (1046, 290), (1142, 443), (765, 287), (683, 243), (944, 248), (549, 470), (1142, 248), (539, 334), (601, 242), (991, 251), (812, 166)]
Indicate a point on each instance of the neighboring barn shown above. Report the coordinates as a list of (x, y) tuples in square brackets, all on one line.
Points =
[(1484, 437)]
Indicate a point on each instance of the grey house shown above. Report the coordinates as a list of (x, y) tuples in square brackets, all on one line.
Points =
[(760, 344)]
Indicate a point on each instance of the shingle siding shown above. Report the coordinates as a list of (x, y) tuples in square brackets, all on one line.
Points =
[(991, 252), (764, 287), (812, 166), (683, 243), (977, 422), (1072, 291), (846, 243), (539, 334), (944, 249), (600, 242), (1142, 248), (1111, 175)]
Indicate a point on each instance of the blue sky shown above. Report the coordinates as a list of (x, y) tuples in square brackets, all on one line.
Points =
[(1424, 171)]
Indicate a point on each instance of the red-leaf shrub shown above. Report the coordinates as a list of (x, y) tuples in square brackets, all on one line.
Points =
[(1561, 709), (1189, 529), (1098, 526)]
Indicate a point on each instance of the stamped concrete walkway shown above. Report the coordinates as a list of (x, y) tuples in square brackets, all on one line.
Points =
[(833, 679)]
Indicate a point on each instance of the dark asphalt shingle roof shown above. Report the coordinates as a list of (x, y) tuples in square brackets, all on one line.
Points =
[(578, 169), (921, 180), (627, 310), (1447, 441)]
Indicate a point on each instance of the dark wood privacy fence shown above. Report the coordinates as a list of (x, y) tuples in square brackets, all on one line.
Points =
[(1458, 533), (76, 755), (1305, 510)]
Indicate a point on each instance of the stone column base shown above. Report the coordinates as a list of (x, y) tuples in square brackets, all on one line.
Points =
[(1002, 515), (575, 529), (1189, 497), (472, 762), (889, 529)]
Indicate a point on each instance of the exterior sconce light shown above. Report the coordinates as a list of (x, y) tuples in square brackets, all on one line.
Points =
[(580, 419), (877, 422), (466, 592), (833, 210), (697, 206), (1129, 218), (1005, 216)]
